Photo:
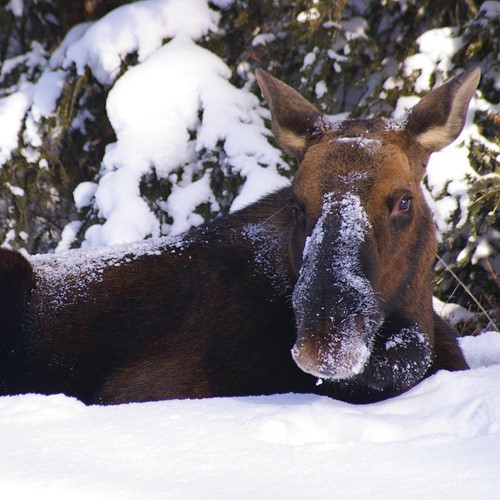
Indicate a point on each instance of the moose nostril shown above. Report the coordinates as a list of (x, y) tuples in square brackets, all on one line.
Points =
[(359, 322)]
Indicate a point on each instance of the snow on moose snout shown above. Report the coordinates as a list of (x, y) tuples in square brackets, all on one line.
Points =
[(334, 302)]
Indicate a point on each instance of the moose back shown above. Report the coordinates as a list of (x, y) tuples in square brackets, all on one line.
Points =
[(327, 279)]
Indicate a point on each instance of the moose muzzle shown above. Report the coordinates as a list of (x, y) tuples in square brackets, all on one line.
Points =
[(334, 301)]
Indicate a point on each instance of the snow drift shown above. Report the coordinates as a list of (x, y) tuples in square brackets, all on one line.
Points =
[(439, 440)]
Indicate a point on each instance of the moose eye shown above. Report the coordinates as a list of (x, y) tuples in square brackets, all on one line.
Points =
[(400, 208), (404, 204)]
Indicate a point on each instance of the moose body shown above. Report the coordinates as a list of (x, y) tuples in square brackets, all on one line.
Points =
[(328, 279)]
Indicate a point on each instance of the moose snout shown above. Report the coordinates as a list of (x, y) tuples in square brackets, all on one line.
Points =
[(332, 355)]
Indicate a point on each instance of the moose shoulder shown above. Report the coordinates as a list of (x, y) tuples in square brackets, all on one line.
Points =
[(329, 278)]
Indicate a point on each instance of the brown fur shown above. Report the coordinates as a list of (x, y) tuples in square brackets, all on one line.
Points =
[(218, 313)]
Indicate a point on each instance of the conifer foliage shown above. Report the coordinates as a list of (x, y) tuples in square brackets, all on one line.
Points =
[(125, 120)]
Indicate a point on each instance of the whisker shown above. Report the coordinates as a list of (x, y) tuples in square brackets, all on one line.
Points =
[(276, 213)]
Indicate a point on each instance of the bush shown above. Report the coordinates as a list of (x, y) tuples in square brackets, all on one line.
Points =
[(83, 164)]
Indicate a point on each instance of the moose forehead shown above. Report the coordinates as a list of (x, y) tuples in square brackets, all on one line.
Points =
[(356, 156)]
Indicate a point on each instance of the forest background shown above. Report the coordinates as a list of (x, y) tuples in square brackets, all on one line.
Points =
[(73, 94)]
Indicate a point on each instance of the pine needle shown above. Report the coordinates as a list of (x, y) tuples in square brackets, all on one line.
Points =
[(471, 295)]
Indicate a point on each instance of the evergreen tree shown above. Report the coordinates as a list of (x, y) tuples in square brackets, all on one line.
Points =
[(357, 58)]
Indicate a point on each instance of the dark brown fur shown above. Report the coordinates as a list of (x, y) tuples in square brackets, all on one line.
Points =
[(213, 314)]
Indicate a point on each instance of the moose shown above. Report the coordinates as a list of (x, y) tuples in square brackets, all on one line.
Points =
[(323, 286)]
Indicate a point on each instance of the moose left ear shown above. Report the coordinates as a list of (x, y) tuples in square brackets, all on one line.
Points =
[(294, 119), (439, 117)]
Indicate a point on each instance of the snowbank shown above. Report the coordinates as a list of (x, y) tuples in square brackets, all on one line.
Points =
[(440, 440)]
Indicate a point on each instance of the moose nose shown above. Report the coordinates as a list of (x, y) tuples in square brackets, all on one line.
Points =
[(331, 358)]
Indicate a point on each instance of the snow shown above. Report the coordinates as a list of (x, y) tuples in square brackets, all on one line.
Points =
[(174, 104), (47, 91), (320, 89), (309, 59), (437, 47), (153, 129), (223, 4), (268, 260), (351, 235), (371, 145), (15, 190), (311, 14), (341, 267), (140, 27), (491, 9), (453, 313), (258, 180), (38, 100), (355, 28), (69, 271), (16, 7), (12, 111), (439, 440), (263, 39), (437, 177), (68, 235), (183, 201), (483, 350), (177, 103), (84, 193)]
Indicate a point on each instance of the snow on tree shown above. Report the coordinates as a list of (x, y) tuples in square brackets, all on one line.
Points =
[(144, 119)]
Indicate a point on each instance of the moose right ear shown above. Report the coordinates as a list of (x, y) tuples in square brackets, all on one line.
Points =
[(294, 120), (439, 117)]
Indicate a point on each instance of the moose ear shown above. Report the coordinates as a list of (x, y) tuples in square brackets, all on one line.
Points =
[(294, 120), (439, 117)]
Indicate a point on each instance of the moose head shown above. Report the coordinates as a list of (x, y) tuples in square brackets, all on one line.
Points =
[(363, 242)]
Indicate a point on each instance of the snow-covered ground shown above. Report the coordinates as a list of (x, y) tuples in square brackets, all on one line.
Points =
[(441, 440)]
